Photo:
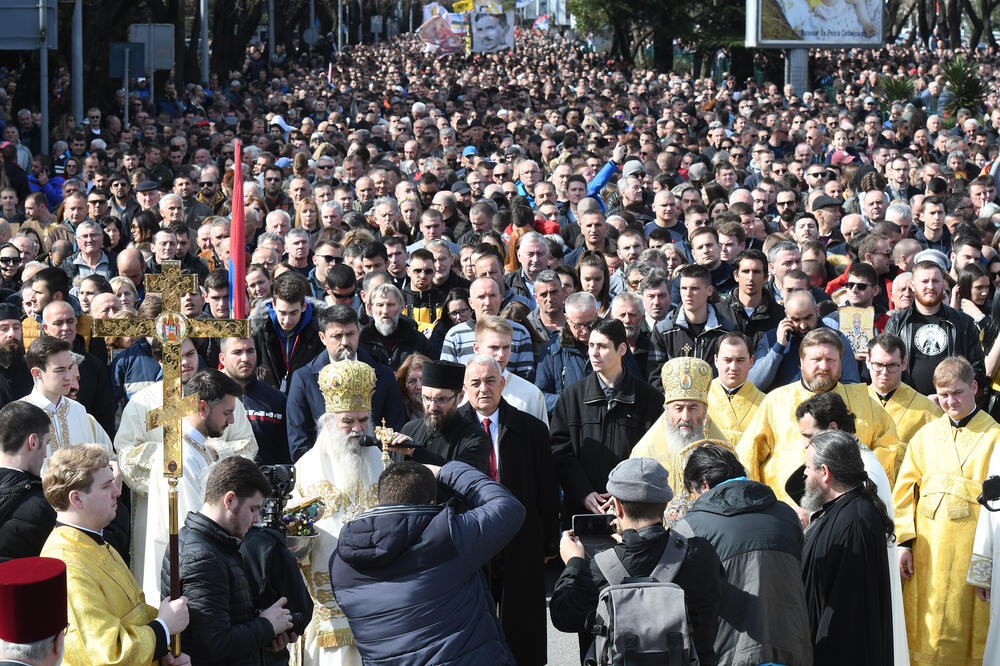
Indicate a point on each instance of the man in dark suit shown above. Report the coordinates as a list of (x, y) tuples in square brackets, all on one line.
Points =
[(339, 331), (520, 459)]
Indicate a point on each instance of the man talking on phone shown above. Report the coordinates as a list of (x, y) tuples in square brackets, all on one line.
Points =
[(640, 493)]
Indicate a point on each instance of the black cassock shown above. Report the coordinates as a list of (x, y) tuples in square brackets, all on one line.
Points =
[(461, 439), (846, 575)]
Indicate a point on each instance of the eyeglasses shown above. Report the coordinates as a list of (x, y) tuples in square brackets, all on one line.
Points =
[(885, 367), (439, 401), (462, 312), (857, 286), (580, 325)]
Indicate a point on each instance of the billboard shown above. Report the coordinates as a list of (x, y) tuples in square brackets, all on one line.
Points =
[(491, 23), (815, 23)]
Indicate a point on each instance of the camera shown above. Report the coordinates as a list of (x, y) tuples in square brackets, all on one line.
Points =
[(282, 480), (991, 492)]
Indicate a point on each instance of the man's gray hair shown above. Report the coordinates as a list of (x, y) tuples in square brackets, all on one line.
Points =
[(383, 201), (331, 204), (580, 301), (167, 198), (629, 297), (380, 291), (438, 243), (532, 237), (839, 452), (220, 223), (88, 224), (36, 651), (778, 248), (483, 359), (295, 232), (275, 214), (900, 211), (654, 279), (547, 276)]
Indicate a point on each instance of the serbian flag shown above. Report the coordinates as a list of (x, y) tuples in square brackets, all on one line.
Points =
[(541, 23), (238, 243)]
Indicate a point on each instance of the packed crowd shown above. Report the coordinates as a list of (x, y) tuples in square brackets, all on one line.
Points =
[(760, 325)]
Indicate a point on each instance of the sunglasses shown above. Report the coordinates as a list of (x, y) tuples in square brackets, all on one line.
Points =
[(329, 258), (7, 261), (208, 183), (857, 286)]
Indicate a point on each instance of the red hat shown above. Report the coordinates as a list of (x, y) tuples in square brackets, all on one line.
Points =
[(32, 599)]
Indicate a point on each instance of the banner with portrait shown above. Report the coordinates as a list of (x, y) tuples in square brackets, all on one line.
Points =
[(491, 25), (815, 23)]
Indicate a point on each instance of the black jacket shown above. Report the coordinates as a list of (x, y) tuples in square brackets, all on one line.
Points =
[(517, 573), (26, 517), (273, 573), (850, 624), (393, 350), (274, 369), (762, 617), (225, 628), (671, 335), (266, 411), (764, 318), (963, 340), (590, 435), (574, 600)]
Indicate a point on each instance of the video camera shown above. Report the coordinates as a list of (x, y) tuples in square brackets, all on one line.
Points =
[(991, 492), (282, 480)]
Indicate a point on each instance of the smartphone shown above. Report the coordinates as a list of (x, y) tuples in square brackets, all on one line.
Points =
[(593, 524)]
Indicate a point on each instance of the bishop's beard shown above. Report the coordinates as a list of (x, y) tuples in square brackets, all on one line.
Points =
[(682, 435), (352, 471)]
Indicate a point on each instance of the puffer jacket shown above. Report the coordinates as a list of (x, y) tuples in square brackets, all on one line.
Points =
[(26, 518), (762, 613), (671, 337), (409, 577), (225, 628)]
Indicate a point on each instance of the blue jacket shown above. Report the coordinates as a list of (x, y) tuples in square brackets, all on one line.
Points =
[(561, 366), (409, 577), (133, 370), (775, 365), (306, 405)]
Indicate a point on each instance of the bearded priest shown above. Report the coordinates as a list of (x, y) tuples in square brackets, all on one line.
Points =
[(344, 473)]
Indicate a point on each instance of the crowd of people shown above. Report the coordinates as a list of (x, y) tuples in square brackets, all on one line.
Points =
[(759, 326)]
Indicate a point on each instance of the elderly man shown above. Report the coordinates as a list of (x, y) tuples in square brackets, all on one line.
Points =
[(494, 337), (342, 470), (521, 460), (771, 447), (684, 420), (390, 337), (533, 257), (90, 258)]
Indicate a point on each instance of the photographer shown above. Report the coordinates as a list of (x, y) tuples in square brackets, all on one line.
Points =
[(271, 568), (639, 496)]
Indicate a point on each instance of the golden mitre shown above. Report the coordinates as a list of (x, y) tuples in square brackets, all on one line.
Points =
[(347, 386), (686, 378)]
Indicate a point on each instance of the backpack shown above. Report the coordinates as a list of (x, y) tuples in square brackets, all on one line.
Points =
[(642, 620)]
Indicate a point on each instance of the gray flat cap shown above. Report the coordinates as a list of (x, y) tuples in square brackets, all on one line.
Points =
[(640, 480)]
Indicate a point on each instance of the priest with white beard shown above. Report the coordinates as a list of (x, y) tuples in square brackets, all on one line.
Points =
[(342, 471), (683, 424)]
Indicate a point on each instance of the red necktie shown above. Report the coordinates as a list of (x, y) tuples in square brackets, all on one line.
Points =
[(493, 454)]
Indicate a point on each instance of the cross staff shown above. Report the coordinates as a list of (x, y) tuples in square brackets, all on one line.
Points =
[(172, 328)]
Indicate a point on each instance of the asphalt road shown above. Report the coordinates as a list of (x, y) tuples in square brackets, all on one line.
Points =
[(563, 649)]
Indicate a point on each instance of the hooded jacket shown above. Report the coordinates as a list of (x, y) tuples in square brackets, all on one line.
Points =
[(762, 612), (279, 354), (409, 577)]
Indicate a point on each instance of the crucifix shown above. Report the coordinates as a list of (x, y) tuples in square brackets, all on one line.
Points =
[(172, 328)]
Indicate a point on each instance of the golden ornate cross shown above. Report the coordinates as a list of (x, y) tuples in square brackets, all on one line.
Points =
[(172, 328)]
